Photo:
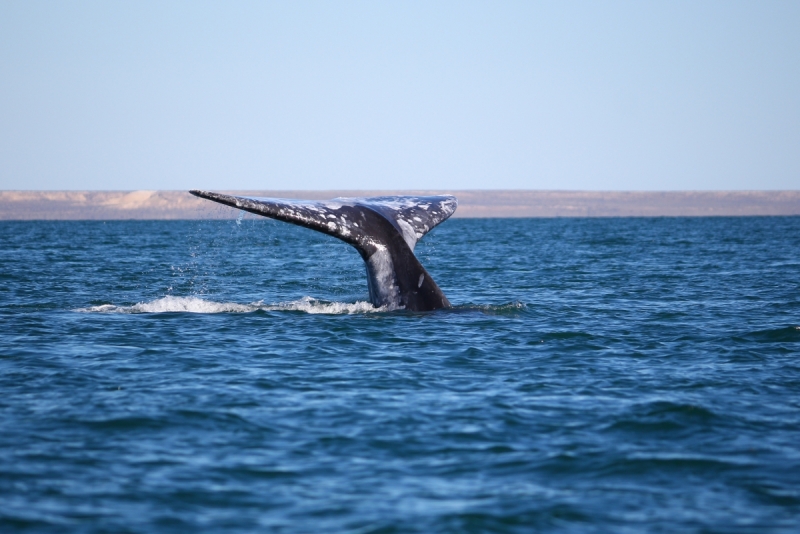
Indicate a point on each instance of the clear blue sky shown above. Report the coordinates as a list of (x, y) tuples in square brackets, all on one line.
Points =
[(399, 95)]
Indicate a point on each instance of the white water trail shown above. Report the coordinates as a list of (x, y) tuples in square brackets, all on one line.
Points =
[(171, 304)]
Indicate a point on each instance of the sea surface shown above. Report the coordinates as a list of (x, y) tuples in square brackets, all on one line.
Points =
[(595, 375)]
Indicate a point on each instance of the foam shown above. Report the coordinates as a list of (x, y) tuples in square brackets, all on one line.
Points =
[(171, 304), (310, 305)]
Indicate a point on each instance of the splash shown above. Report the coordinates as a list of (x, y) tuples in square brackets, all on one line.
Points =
[(171, 304), (175, 305), (310, 305)]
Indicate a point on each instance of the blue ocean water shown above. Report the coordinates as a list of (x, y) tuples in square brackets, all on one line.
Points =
[(595, 375)]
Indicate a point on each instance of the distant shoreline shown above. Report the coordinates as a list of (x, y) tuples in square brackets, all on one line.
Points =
[(164, 205)]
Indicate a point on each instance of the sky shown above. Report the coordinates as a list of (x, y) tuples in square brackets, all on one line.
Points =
[(561, 95)]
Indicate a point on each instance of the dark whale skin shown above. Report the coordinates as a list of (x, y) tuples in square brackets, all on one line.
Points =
[(384, 230)]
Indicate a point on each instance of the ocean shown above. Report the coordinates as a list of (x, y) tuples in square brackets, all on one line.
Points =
[(595, 375)]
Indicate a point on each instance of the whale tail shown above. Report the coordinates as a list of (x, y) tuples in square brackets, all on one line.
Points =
[(384, 230)]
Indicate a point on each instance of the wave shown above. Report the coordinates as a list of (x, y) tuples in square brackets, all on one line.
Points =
[(171, 304), (786, 334), (509, 308)]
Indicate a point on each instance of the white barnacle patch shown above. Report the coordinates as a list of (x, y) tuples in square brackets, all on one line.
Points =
[(409, 234), (421, 279), (383, 289), (332, 226)]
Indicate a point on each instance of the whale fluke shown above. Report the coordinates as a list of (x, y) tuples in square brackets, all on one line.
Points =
[(384, 230)]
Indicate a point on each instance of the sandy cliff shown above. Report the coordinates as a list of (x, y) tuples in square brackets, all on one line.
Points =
[(108, 205)]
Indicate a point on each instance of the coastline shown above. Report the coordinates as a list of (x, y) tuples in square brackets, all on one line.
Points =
[(165, 205)]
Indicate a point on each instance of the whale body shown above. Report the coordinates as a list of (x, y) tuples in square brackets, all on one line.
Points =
[(384, 230)]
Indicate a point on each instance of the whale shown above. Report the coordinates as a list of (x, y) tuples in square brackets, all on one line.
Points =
[(384, 230)]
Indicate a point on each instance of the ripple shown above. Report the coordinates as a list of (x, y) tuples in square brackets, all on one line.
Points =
[(775, 335)]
